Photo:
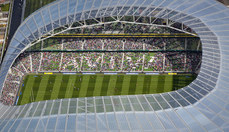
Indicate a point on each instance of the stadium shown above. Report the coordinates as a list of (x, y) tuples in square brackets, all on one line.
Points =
[(113, 65)]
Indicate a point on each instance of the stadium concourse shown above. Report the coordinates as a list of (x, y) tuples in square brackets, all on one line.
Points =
[(200, 106)]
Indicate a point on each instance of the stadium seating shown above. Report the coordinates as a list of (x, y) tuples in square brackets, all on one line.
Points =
[(104, 61)]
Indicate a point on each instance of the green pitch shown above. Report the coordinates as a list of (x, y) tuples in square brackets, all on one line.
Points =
[(47, 87)]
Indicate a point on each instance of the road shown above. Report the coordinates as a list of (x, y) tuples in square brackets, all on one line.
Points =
[(16, 18)]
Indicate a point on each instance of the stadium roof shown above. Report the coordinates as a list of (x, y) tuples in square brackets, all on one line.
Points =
[(201, 106)]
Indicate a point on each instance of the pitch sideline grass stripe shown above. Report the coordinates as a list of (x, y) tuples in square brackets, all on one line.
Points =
[(39, 85), (132, 86), (91, 86), (118, 85), (125, 85), (98, 85), (153, 84), (70, 87), (25, 97), (42, 87), (84, 86), (49, 87), (77, 86), (146, 85), (63, 87), (175, 81), (160, 84), (168, 84), (187, 80), (110, 89), (105, 85), (190, 79), (139, 85), (111, 86), (56, 87), (22, 89)]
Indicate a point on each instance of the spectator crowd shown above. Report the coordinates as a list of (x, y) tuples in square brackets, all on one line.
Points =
[(104, 61)]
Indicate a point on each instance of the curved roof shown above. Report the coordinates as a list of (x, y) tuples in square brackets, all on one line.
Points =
[(201, 106)]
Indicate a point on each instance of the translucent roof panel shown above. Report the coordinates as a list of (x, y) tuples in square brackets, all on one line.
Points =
[(201, 106)]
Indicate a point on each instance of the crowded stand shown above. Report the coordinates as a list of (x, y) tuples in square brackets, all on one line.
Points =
[(13, 76), (19, 66), (176, 61), (113, 27), (149, 45), (91, 61), (112, 61), (133, 44), (71, 62), (93, 44), (71, 44), (194, 44), (9, 92), (175, 44), (113, 44), (52, 44), (124, 27), (154, 61), (25, 62), (132, 62), (193, 62), (35, 61), (148, 29), (16, 72), (110, 55), (11, 86), (135, 28), (155, 43), (91, 30), (50, 61)]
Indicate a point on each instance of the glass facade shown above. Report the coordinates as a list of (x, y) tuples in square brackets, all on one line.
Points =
[(201, 106)]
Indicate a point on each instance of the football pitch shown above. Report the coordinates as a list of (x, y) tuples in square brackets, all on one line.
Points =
[(39, 87)]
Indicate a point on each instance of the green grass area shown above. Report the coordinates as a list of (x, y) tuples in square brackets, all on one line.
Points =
[(33, 5), (5, 7), (58, 86)]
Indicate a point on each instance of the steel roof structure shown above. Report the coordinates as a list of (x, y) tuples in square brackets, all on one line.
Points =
[(201, 106)]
